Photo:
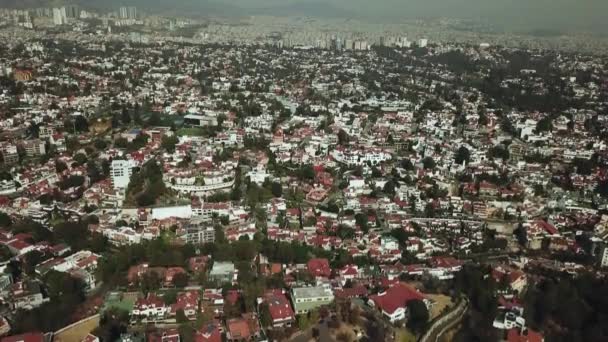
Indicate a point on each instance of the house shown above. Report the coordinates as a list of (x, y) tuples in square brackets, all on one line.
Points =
[(348, 272), (244, 328), (393, 302), (27, 295), (198, 264), (90, 338), (279, 308), (237, 329), (169, 335), (151, 306), (210, 332), (308, 298), (188, 302), (27, 337), (171, 273), (516, 279), (223, 272), (358, 291), (524, 335), (319, 268), (136, 272)]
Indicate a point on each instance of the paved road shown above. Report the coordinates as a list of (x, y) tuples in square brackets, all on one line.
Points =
[(446, 322)]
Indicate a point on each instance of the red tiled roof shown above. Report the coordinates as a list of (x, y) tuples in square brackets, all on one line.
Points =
[(238, 329), (514, 335), (396, 297), (208, 333), (279, 306), (351, 292), (319, 267), (27, 337)]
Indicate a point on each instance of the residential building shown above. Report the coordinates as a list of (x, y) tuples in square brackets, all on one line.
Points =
[(308, 298), (121, 171), (199, 232), (223, 272), (393, 302), (279, 308)]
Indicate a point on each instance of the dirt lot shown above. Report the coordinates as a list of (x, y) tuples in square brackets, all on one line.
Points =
[(78, 331), (441, 302)]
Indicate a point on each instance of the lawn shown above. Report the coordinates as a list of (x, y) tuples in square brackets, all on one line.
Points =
[(119, 300)]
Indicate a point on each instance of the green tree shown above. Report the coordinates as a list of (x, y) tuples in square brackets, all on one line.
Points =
[(181, 280), (463, 155), (170, 297), (428, 163), (418, 315), (169, 142), (180, 316), (277, 189)]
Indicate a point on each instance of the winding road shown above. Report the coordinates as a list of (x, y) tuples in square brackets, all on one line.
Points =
[(446, 322)]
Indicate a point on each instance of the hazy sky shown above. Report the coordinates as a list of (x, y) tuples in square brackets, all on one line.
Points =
[(555, 14), (513, 14)]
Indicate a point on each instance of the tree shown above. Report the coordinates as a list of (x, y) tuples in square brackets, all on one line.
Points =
[(125, 116), (362, 221), (60, 166), (342, 137), (521, 234), (155, 119), (80, 158), (149, 282), (170, 297), (428, 163), (277, 189), (265, 317), (180, 316), (419, 315), (169, 142), (345, 232), (5, 220), (30, 261), (462, 155), (307, 172), (389, 188), (181, 280), (544, 125)]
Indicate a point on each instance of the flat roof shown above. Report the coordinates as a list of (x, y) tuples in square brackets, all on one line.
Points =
[(313, 291)]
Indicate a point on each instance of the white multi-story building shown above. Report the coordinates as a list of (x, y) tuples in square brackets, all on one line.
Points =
[(199, 233), (123, 236), (121, 171), (59, 16), (34, 148), (123, 12), (604, 256)]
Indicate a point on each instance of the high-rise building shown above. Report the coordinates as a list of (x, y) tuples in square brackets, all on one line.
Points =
[(72, 11), (123, 13), (128, 12), (121, 171), (132, 12), (64, 15), (57, 18)]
